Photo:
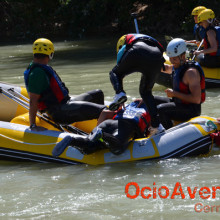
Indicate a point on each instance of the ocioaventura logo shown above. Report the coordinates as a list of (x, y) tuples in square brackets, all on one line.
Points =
[(177, 191)]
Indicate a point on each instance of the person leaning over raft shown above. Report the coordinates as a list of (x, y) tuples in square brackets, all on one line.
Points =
[(138, 53), (210, 55), (113, 134), (49, 94), (188, 87)]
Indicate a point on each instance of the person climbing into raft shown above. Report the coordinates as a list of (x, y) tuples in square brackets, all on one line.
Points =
[(114, 134), (188, 93), (138, 53), (48, 93), (210, 55)]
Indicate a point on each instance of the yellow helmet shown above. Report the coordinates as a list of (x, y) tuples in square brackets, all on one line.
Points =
[(197, 10), (43, 46), (120, 43), (205, 15)]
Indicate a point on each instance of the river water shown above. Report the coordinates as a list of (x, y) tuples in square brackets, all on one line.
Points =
[(52, 191)]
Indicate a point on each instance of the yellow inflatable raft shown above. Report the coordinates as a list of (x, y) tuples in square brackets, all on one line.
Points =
[(18, 142)]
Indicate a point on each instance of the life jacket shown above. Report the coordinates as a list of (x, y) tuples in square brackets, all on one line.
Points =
[(56, 93), (198, 32), (139, 114), (178, 84), (206, 42), (130, 39)]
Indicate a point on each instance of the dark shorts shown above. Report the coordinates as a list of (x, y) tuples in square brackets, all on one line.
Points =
[(169, 110), (208, 61)]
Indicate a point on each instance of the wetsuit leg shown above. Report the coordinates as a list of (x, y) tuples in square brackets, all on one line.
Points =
[(148, 98), (116, 136), (180, 112), (86, 146), (117, 133), (161, 99), (74, 111), (95, 96), (150, 69), (116, 81)]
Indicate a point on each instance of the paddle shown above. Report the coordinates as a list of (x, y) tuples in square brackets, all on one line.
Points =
[(25, 104), (168, 38), (134, 16), (198, 48)]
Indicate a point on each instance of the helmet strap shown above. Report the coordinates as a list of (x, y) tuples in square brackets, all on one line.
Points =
[(210, 21), (181, 61), (51, 56)]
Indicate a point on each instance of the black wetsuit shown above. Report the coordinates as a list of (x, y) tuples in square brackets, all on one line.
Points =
[(146, 59), (81, 108), (116, 136), (169, 110), (127, 125)]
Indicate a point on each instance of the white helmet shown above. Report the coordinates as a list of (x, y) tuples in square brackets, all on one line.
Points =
[(176, 47)]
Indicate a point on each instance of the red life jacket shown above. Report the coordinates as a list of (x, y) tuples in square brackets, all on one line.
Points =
[(178, 84), (55, 94)]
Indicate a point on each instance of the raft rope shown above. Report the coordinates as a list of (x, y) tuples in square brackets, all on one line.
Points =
[(213, 126)]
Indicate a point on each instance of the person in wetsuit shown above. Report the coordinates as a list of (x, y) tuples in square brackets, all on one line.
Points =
[(184, 100), (114, 134), (210, 55), (138, 53), (48, 94)]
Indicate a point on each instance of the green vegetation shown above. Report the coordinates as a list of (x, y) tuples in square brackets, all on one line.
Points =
[(25, 20)]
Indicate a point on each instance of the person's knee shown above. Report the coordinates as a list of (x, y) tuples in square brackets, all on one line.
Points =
[(97, 96), (160, 107)]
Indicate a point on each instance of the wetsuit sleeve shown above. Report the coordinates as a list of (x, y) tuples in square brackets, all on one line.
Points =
[(38, 81)]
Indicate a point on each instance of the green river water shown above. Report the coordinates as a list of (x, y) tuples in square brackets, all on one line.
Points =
[(52, 191)]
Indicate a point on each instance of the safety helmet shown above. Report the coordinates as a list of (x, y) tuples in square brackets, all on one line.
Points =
[(205, 15), (120, 43), (43, 46), (197, 10), (176, 47)]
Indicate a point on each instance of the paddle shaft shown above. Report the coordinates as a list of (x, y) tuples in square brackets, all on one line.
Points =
[(198, 48), (25, 105), (134, 15)]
